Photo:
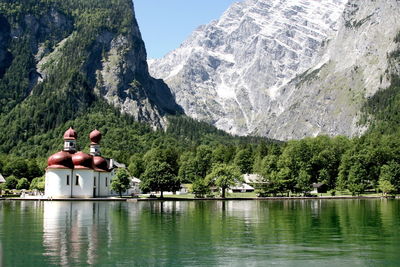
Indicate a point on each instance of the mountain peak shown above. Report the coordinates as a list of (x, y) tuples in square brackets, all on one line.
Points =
[(230, 70), (285, 68)]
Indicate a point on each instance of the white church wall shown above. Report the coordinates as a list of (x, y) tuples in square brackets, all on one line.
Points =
[(56, 183), (85, 185), (105, 180)]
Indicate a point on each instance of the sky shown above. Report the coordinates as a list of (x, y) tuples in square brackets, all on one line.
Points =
[(165, 24)]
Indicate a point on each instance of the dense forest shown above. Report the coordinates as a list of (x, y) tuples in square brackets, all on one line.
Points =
[(33, 121)]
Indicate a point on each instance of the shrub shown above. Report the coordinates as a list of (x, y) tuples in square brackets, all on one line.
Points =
[(11, 182), (23, 183)]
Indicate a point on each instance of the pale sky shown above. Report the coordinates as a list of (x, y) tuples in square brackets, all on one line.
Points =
[(165, 24)]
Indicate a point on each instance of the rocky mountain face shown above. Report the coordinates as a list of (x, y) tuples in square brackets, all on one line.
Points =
[(328, 98), (77, 52), (122, 78), (283, 68)]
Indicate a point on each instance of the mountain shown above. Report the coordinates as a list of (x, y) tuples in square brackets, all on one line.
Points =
[(285, 69), (60, 60)]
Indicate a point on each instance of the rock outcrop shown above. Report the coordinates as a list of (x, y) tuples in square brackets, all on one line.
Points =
[(327, 99), (284, 69), (83, 50)]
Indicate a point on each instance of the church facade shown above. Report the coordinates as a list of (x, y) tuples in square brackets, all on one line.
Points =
[(72, 174)]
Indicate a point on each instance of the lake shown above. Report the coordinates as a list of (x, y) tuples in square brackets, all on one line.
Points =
[(201, 233)]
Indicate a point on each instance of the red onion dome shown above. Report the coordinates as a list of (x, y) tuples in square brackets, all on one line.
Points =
[(95, 137), (100, 164), (60, 160), (82, 161), (70, 134)]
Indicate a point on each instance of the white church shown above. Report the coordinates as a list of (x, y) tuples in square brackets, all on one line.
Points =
[(72, 174)]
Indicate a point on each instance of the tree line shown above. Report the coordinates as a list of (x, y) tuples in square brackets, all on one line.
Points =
[(358, 165)]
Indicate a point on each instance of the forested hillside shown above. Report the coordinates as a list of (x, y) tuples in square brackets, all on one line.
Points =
[(60, 66), (51, 53), (59, 69)]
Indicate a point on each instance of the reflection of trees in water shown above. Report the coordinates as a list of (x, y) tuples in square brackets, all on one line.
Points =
[(279, 229), (214, 232), (1, 254), (21, 233)]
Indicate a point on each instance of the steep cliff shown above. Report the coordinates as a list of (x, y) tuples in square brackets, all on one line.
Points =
[(329, 97), (60, 59), (229, 71), (285, 69)]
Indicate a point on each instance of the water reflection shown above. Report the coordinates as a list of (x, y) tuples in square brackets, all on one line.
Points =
[(1, 254), (76, 232), (201, 233)]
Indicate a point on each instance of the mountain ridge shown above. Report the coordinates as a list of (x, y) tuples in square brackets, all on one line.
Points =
[(263, 97), (58, 59)]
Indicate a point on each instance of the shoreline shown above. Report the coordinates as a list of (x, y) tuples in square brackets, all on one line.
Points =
[(196, 199)]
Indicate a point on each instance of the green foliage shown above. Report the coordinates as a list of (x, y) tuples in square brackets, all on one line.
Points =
[(203, 160), (200, 188), (30, 110), (195, 133), (161, 170), (381, 110), (224, 176), (386, 187), (3, 188), (223, 154), (193, 130), (167, 155), (34, 114), (11, 182), (15, 83), (120, 182), (136, 165), (159, 176), (391, 172), (38, 184), (20, 167), (356, 180), (361, 164), (23, 183), (303, 182), (34, 117), (197, 164), (188, 170), (298, 164), (244, 160)]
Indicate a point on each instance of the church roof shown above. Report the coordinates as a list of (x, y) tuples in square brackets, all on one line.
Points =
[(80, 160), (95, 137), (70, 134), (60, 160)]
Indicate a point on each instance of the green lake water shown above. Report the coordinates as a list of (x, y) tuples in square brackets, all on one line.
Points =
[(201, 233)]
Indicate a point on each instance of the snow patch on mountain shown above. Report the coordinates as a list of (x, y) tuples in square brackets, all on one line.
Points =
[(277, 68)]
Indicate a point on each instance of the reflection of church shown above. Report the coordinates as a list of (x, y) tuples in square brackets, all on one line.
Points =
[(74, 233), (76, 174)]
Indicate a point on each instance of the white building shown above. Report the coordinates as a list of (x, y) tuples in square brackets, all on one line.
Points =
[(72, 174), (241, 188)]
